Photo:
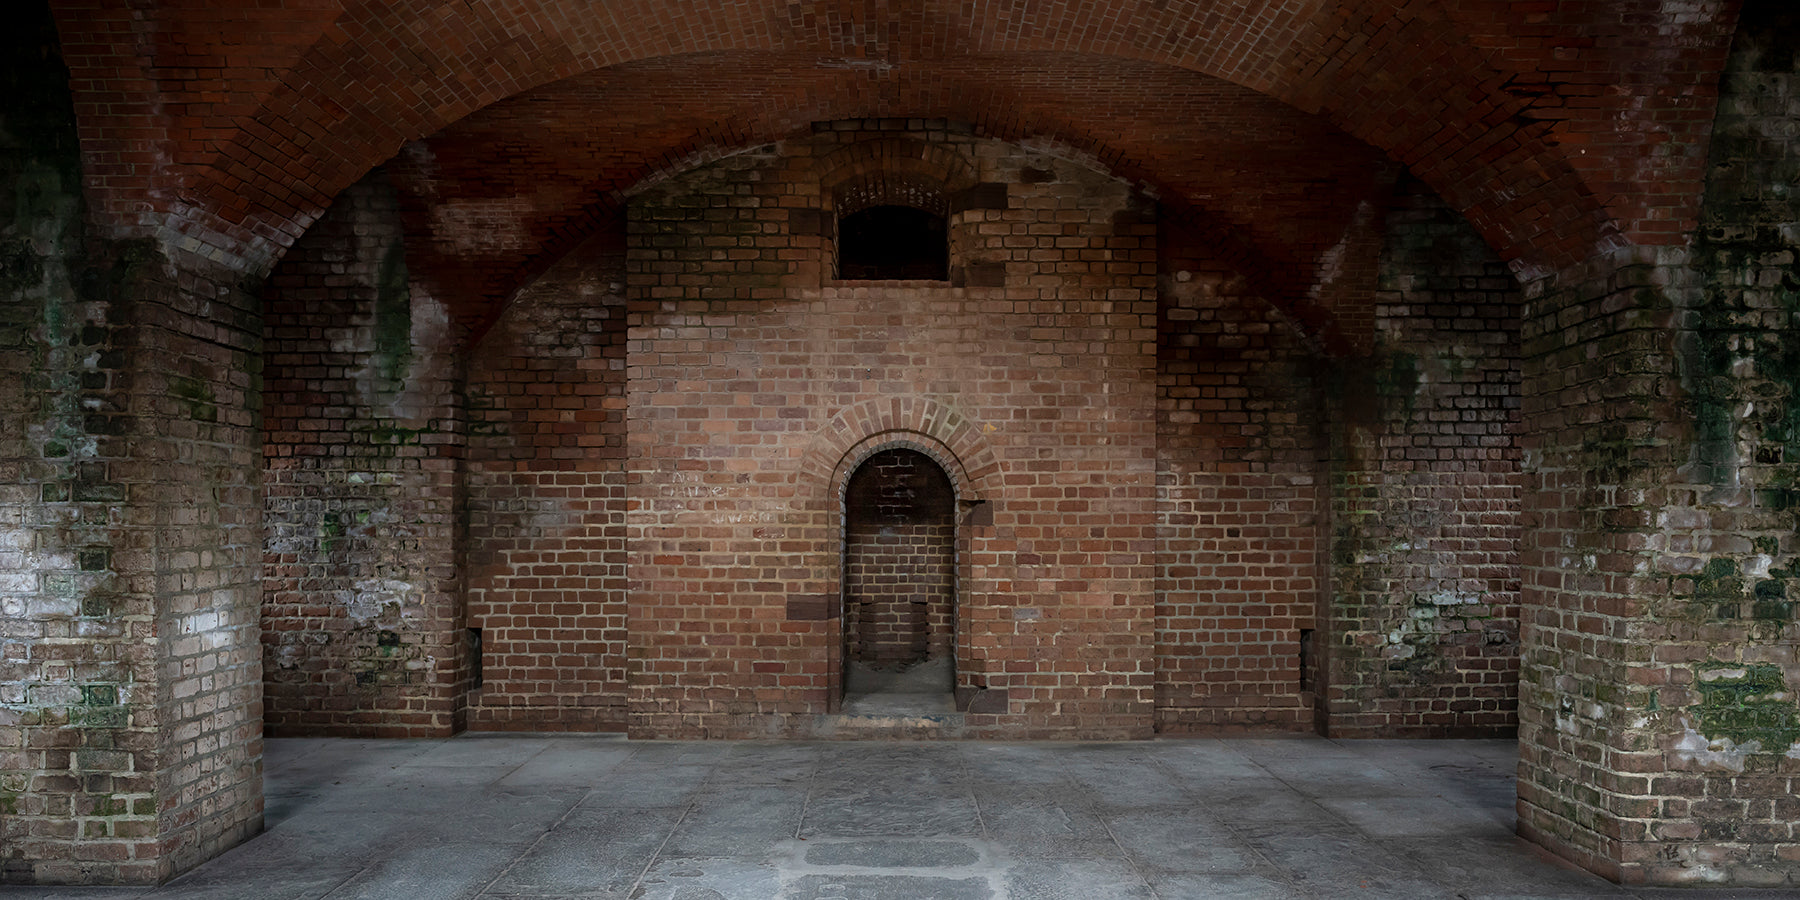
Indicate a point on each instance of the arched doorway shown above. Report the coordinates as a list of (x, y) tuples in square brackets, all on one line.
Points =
[(899, 586)]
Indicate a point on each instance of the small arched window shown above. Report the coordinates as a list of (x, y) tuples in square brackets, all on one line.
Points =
[(890, 242)]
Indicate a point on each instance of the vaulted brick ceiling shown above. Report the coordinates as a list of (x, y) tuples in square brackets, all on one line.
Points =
[(1558, 128), (506, 190)]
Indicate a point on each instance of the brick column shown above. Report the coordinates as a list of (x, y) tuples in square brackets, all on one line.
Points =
[(130, 696), (1659, 735)]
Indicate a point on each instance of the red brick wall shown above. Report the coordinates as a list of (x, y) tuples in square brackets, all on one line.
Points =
[(743, 349), (1339, 535), (899, 593), (546, 501), (1425, 491), (741, 364), (362, 429), (1238, 501)]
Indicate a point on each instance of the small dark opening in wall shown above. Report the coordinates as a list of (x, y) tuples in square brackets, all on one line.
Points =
[(474, 658), (1306, 659), (893, 242)]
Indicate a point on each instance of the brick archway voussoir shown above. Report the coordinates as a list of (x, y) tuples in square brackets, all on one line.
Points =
[(858, 431)]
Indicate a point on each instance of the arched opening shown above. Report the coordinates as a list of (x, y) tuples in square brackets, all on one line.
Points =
[(899, 585), (888, 242)]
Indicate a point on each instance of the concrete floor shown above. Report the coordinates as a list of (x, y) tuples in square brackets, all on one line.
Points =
[(520, 817)]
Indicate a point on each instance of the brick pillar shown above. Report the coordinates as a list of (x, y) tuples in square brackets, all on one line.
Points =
[(130, 717), (1659, 734), (1603, 441), (131, 720)]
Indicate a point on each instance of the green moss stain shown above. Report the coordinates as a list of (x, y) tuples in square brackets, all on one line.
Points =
[(331, 531), (1739, 366), (21, 268), (1746, 703), (387, 643), (196, 398), (1718, 590), (1399, 380), (1769, 601), (393, 314), (382, 434)]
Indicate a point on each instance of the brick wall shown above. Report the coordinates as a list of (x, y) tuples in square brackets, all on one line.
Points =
[(1657, 608), (192, 537), (546, 500), (362, 626), (1425, 491), (1346, 526), (750, 380), (1238, 501), (78, 677)]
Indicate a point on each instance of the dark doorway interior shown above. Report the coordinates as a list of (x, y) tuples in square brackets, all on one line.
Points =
[(899, 584)]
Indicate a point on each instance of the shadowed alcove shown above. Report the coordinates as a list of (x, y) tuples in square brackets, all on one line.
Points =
[(899, 583)]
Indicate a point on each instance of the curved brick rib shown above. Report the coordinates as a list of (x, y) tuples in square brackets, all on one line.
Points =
[(918, 423)]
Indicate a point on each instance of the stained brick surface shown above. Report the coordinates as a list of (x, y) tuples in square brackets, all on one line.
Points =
[(1240, 516), (1247, 425), (362, 430), (546, 501), (1425, 488), (1657, 719), (129, 685)]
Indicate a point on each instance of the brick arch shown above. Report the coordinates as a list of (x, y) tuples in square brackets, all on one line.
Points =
[(893, 170), (924, 444), (856, 432), (891, 189), (247, 174)]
